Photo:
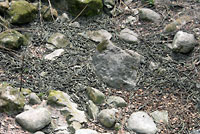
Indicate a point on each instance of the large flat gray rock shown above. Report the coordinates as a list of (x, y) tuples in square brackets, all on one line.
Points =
[(35, 119), (116, 67)]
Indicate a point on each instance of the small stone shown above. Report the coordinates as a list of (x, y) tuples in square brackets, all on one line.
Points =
[(195, 132), (183, 42), (130, 19), (116, 101), (128, 35), (57, 40), (117, 126), (54, 54), (39, 132), (35, 119), (34, 99), (149, 15), (97, 36), (107, 117), (95, 95), (64, 18), (141, 122), (86, 131), (75, 24), (153, 66), (160, 116)]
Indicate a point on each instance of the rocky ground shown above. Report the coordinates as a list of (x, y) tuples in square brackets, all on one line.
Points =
[(174, 87)]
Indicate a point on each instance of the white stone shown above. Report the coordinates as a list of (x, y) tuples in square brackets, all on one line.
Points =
[(86, 131), (183, 42), (54, 54), (35, 119), (128, 35), (141, 122)]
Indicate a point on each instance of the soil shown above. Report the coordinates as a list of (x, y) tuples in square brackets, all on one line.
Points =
[(173, 87)]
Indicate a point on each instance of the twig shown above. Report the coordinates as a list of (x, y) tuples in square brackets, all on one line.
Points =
[(51, 10), (40, 14), (10, 50), (4, 23), (21, 75), (79, 14)]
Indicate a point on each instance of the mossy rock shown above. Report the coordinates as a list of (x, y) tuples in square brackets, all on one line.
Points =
[(22, 12), (12, 39), (11, 100), (93, 7)]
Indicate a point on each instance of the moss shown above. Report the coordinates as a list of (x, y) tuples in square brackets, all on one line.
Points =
[(12, 39), (170, 27), (22, 12), (102, 46), (56, 97)]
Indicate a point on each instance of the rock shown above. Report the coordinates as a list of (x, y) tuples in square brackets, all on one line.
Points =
[(47, 15), (93, 110), (94, 7), (97, 36), (12, 39), (95, 95), (116, 67), (62, 130), (177, 24), (34, 120), (11, 100), (34, 99), (141, 122), (160, 116), (130, 19), (117, 126), (75, 125), (22, 12), (153, 66), (86, 131), (75, 24), (54, 54), (116, 101), (58, 40), (107, 117), (162, 3), (128, 35), (58, 122), (39, 132), (195, 132), (64, 18), (149, 15), (183, 42), (61, 99), (108, 6)]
